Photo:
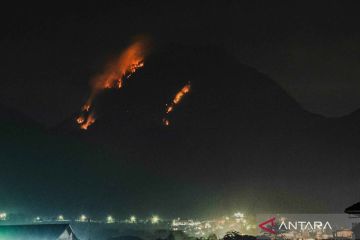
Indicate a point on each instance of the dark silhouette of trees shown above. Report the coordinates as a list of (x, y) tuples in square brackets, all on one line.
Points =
[(212, 237), (237, 236)]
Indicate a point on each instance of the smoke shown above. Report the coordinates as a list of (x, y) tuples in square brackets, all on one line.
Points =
[(129, 61), (114, 75)]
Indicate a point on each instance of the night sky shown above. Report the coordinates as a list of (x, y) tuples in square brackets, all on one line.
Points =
[(271, 123)]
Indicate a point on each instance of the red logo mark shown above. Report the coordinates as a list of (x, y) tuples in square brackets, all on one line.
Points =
[(266, 229)]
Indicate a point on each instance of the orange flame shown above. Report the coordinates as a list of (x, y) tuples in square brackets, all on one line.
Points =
[(129, 61), (80, 120), (181, 93), (89, 121), (86, 107), (126, 64), (166, 121), (177, 99)]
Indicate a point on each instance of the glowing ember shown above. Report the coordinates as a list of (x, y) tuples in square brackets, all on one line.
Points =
[(169, 108), (86, 107), (89, 121), (181, 93), (126, 64), (177, 99), (166, 122), (129, 61), (80, 120)]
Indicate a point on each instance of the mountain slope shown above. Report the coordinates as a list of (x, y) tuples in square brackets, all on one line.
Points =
[(237, 136)]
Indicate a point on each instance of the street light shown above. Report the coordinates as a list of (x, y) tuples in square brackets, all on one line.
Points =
[(132, 219), (238, 215), (110, 219), (155, 219), (83, 218)]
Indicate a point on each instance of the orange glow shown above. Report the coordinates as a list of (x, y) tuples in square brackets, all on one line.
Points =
[(123, 67), (86, 107), (129, 61), (169, 108), (181, 94), (178, 98), (80, 119), (89, 121), (166, 122)]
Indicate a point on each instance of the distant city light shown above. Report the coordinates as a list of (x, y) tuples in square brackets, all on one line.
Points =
[(238, 215), (155, 219), (133, 219), (239, 222), (83, 218), (110, 219)]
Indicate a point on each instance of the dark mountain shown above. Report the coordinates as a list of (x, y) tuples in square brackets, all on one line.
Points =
[(30, 157), (224, 93), (13, 117), (236, 137), (236, 134)]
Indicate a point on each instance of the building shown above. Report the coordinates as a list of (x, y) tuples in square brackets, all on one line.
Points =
[(343, 234), (37, 232), (354, 210)]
